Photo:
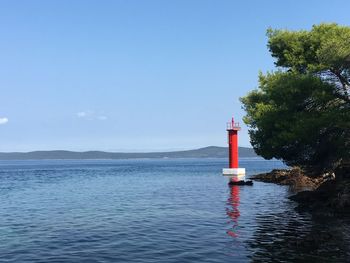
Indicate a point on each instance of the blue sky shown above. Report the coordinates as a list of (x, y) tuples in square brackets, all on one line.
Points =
[(136, 75)]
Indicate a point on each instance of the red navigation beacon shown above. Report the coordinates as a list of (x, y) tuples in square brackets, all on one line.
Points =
[(233, 172)]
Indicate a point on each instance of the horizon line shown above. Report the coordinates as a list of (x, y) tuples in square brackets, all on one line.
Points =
[(124, 151)]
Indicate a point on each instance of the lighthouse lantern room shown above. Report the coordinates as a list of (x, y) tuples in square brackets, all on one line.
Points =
[(233, 172)]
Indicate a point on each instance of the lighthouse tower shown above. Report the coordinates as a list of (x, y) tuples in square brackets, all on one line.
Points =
[(233, 172)]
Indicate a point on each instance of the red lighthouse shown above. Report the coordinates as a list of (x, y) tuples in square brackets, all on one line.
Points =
[(234, 173), (232, 129)]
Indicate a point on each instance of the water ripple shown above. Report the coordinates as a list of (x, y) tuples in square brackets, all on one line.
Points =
[(154, 211)]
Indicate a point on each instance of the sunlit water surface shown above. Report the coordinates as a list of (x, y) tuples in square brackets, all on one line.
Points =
[(155, 211)]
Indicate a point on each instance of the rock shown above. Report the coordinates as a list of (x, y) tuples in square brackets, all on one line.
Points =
[(231, 183), (327, 194), (332, 198), (293, 177)]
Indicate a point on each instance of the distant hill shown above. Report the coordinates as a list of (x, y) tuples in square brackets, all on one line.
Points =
[(207, 152)]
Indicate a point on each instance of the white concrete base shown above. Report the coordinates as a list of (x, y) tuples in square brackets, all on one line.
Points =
[(233, 172)]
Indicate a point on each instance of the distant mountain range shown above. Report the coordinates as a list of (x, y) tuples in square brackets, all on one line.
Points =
[(207, 152)]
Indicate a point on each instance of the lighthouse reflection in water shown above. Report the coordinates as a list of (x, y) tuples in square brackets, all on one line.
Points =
[(232, 210)]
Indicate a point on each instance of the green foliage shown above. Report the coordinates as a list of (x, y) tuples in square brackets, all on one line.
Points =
[(301, 113), (325, 51)]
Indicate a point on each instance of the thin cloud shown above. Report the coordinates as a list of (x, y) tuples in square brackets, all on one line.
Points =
[(102, 118), (81, 114), (91, 115), (4, 120)]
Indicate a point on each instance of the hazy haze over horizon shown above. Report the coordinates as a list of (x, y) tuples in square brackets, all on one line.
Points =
[(135, 75)]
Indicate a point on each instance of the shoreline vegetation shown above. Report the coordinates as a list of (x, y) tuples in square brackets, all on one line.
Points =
[(300, 114)]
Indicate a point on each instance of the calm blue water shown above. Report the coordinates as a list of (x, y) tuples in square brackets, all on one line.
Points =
[(154, 211)]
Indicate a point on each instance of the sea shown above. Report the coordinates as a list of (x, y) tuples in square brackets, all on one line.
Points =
[(156, 210)]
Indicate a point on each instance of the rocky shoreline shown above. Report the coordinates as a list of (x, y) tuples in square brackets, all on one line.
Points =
[(324, 195), (292, 177)]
